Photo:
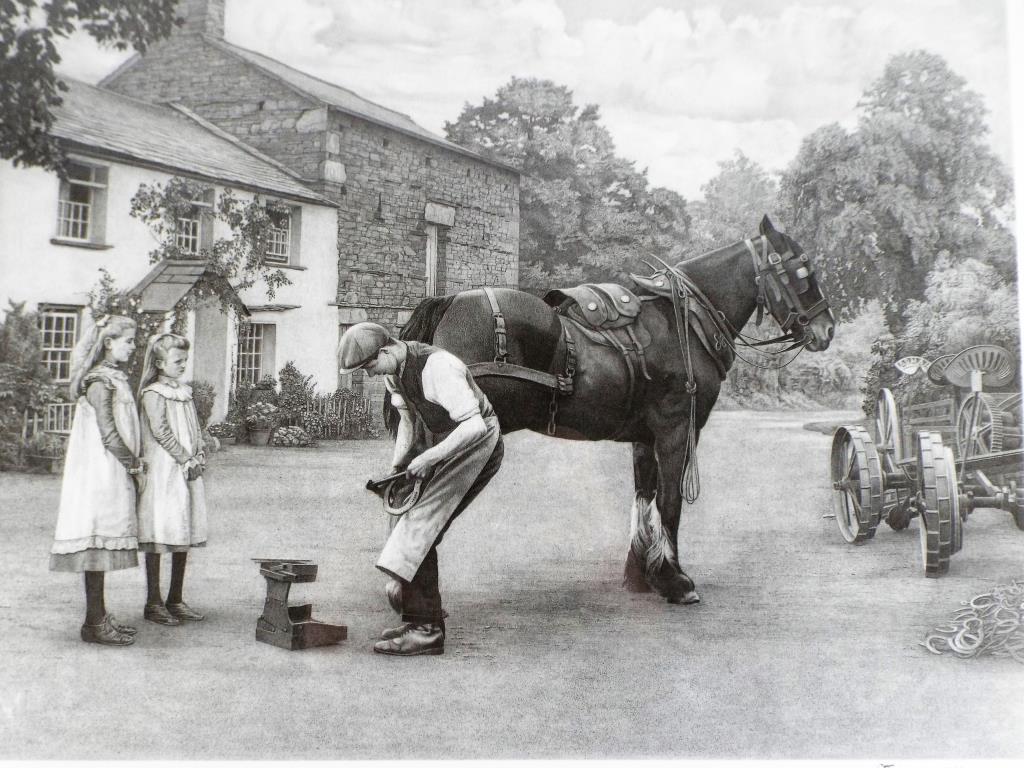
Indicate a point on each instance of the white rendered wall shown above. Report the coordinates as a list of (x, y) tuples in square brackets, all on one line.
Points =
[(34, 270)]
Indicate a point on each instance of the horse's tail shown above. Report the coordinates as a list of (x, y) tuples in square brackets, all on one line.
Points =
[(421, 326)]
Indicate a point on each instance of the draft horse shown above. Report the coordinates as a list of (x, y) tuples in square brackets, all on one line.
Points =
[(643, 367)]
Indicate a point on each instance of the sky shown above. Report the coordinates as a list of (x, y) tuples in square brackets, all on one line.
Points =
[(681, 84)]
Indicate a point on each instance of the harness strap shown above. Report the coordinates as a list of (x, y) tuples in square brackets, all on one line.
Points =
[(639, 351), (500, 337)]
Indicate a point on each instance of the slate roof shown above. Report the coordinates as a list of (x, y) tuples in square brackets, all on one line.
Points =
[(169, 138), (169, 281), (345, 100)]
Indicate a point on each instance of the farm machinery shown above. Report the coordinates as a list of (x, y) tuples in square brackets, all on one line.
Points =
[(938, 461)]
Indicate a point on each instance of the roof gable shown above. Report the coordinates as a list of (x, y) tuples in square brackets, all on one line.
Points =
[(171, 138), (345, 100)]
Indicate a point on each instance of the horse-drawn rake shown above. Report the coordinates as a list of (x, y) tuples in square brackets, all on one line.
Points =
[(965, 453)]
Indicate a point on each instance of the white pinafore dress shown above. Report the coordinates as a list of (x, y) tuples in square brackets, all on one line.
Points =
[(96, 524), (172, 509)]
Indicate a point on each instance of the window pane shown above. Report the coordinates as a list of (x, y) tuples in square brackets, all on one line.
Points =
[(59, 329), (187, 234), (250, 353), (279, 239), (73, 211)]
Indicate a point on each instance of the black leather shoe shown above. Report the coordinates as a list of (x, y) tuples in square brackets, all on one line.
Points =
[(391, 634), (415, 640), (124, 629), (104, 634), (182, 612), (156, 613)]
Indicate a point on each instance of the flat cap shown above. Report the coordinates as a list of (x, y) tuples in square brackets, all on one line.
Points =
[(360, 344)]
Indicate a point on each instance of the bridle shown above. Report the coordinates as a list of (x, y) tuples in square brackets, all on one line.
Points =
[(776, 291)]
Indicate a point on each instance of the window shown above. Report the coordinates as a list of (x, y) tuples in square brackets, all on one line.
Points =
[(283, 237), (194, 230), (59, 329), (255, 352), (279, 246), (187, 235), (82, 203)]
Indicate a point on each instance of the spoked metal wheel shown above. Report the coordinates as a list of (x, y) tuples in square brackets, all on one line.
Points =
[(937, 502), (979, 426), (889, 443), (857, 484), (957, 518), (888, 440)]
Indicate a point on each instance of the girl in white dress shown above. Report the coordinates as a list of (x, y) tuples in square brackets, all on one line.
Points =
[(172, 507), (96, 525)]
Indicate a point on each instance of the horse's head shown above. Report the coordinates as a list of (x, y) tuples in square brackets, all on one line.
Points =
[(790, 289)]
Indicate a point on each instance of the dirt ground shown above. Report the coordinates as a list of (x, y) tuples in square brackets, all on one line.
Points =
[(803, 646)]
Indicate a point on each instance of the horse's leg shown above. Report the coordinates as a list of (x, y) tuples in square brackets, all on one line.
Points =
[(662, 560), (645, 481)]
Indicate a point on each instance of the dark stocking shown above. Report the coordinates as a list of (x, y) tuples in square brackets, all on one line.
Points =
[(177, 576), (153, 578), (95, 608)]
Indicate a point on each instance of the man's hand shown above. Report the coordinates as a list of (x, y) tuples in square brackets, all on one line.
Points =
[(420, 466)]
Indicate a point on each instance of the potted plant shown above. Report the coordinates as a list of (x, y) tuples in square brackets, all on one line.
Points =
[(45, 450), (225, 431), (260, 419)]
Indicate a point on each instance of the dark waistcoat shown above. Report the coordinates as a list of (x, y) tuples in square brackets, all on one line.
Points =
[(410, 386)]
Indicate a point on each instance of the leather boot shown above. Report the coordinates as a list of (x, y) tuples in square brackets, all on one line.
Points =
[(104, 634), (124, 629), (156, 613), (415, 640), (182, 612), (391, 634)]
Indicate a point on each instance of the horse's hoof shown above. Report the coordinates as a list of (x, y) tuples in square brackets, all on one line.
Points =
[(689, 598), (633, 575)]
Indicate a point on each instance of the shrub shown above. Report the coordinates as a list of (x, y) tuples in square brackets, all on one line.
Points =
[(296, 392), (45, 444), (203, 395), (292, 437), (261, 415), (24, 382), (223, 429)]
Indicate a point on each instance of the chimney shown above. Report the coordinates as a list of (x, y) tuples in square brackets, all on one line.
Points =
[(202, 17)]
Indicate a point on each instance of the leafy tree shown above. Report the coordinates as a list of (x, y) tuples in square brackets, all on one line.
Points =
[(965, 303), (584, 211), (734, 201), (913, 183), (29, 88)]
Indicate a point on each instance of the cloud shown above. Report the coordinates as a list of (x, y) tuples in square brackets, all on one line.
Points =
[(681, 83)]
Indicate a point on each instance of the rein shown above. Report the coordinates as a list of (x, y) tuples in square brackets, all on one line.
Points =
[(769, 270)]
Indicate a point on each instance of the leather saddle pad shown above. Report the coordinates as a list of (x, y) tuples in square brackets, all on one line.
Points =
[(602, 306)]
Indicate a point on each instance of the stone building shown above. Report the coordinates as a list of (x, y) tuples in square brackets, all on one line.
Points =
[(417, 215)]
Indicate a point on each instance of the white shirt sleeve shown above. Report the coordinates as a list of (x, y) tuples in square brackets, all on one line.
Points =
[(446, 382), (396, 399)]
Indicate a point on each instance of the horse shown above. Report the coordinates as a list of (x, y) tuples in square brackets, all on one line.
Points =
[(658, 397)]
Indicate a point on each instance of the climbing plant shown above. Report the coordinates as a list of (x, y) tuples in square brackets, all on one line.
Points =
[(238, 260)]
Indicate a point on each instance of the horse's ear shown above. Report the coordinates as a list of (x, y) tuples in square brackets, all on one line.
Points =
[(766, 227)]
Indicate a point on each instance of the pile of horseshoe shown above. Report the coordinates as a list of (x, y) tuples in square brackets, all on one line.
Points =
[(990, 624)]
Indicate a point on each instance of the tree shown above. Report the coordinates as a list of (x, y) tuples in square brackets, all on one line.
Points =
[(584, 211), (29, 88), (734, 201), (913, 183)]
